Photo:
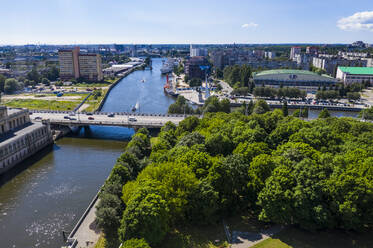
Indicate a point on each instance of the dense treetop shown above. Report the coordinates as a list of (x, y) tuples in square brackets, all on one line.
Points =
[(312, 174)]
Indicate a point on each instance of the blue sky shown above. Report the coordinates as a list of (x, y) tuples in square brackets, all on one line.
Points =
[(190, 21)]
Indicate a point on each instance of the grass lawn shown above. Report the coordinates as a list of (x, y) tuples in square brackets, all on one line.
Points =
[(81, 96), (211, 236), (43, 104), (271, 243), (95, 103), (111, 80), (297, 238)]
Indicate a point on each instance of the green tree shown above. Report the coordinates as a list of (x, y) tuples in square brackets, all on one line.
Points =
[(34, 75), (285, 110), (324, 113), (261, 107), (2, 83), (146, 215), (12, 85), (45, 81)]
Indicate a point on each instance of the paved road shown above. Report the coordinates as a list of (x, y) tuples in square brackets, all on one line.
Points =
[(226, 87), (88, 233), (103, 119)]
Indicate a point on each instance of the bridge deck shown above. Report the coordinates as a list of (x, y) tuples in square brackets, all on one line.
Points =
[(102, 119)]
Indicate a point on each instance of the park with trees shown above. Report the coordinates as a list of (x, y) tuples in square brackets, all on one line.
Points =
[(311, 175)]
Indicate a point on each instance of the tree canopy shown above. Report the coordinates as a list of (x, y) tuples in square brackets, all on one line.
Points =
[(312, 174)]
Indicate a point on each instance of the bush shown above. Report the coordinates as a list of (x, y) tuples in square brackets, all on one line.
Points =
[(135, 243)]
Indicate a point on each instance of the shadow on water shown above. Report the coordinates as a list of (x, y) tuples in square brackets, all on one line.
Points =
[(30, 161)]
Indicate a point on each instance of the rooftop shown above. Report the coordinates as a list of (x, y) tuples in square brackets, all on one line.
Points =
[(357, 70), (13, 135), (285, 71)]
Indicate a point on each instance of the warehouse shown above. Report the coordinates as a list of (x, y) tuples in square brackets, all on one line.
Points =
[(304, 80)]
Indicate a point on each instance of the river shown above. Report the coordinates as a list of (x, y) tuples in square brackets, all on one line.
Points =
[(50, 191)]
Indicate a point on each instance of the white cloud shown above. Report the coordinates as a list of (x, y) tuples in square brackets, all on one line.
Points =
[(250, 25), (358, 21)]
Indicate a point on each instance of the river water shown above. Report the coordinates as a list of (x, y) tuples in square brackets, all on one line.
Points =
[(50, 191)]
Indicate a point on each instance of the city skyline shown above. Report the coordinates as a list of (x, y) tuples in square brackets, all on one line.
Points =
[(167, 22)]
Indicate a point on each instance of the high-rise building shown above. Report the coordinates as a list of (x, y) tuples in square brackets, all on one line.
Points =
[(69, 63), (74, 64), (194, 52), (294, 51), (193, 67), (312, 50), (90, 66)]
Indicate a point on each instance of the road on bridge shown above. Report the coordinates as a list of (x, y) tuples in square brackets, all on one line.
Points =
[(151, 121)]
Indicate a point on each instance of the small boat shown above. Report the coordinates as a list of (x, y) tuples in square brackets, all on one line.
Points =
[(136, 107), (143, 80)]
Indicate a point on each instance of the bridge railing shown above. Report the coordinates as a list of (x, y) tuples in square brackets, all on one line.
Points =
[(109, 123), (115, 113)]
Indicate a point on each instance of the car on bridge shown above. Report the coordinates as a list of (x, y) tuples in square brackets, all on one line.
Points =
[(66, 117), (91, 118), (110, 115), (132, 119)]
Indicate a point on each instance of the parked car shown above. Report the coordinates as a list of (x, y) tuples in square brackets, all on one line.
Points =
[(91, 118)]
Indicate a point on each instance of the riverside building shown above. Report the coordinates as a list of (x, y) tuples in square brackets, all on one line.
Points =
[(19, 137), (302, 79), (351, 75), (74, 64)]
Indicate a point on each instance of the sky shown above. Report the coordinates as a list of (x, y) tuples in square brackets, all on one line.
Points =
[(185, 22)]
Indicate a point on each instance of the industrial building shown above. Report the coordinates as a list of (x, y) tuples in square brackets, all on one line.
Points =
[(304, 80), (351, 75)]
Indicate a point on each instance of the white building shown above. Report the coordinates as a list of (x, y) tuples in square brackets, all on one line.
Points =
[(355, 74), (269, 55), (294, 51), (197, 51)]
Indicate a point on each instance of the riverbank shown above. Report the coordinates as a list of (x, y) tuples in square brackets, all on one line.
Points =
[(124, 74)]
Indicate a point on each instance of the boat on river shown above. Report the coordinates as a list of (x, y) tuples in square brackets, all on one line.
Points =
[(168, 66), (136, 107), (168, 89)]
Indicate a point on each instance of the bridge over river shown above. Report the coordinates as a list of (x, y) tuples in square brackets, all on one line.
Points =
[(134, 120)]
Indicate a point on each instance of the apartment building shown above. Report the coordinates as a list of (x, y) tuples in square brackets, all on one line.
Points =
[(90, 67), (74, 64), (294, 51)]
